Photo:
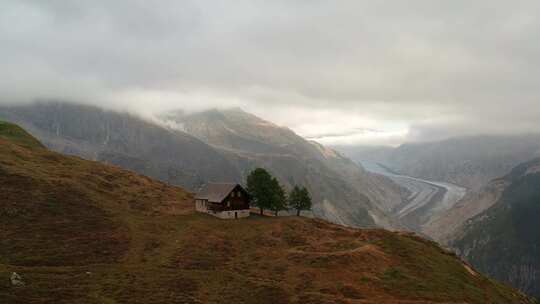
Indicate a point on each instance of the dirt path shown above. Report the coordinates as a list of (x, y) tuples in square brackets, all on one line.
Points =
[(363, 248)]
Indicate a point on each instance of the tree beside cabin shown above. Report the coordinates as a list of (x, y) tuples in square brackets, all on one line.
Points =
[(300, 199)]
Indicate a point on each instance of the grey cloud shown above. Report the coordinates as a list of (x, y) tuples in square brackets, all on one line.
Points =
[(352, 131), (453, 67)]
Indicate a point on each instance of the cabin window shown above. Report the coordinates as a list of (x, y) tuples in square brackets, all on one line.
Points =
[(232, 194), (228, 204), (239, 194)]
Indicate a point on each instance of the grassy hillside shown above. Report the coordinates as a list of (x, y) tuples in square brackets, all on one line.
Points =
[(504, 241), (83, 232), (18, 135)]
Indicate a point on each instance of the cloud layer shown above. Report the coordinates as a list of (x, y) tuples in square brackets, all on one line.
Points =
[(378, 72)]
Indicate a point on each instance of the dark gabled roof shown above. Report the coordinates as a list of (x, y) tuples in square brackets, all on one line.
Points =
[(216, 192)]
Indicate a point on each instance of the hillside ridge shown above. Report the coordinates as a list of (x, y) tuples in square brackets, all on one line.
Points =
[(100, 234)]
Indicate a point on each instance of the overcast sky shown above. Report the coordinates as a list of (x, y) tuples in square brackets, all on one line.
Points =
[(346, 72)]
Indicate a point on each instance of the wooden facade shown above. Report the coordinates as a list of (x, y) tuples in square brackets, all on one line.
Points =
[(224, 200)]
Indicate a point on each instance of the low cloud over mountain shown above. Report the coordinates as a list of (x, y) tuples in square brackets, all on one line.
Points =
[(415, 70)]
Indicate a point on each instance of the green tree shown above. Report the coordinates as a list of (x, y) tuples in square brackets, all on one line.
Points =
[(259, 187), (295, 199), (300, 199), (279, 198)]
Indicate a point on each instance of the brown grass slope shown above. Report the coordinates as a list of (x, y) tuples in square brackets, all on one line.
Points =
[(83, 232)]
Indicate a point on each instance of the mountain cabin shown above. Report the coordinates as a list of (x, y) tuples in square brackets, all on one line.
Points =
[(223, 200)]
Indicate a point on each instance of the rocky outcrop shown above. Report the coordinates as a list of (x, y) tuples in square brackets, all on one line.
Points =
[(16, 280)]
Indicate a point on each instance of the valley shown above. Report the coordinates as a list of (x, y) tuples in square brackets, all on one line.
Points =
[(423, 200), (467, 161), (494, 226)]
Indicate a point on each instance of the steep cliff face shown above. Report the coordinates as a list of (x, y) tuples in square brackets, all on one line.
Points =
[(124, 140), (504, 240), (344, 192)]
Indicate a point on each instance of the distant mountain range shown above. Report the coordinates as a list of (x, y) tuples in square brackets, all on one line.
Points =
[(470, 162), (189, 150)]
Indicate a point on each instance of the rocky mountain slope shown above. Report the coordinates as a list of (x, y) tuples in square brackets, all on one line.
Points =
[(504, 240), (470, 162), (124, 140), (344, 192), (79, 231), (445, 225), (224, 150)]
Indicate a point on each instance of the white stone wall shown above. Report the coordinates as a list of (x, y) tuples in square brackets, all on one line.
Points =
[(201, 206)]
